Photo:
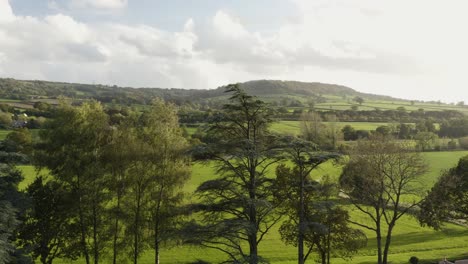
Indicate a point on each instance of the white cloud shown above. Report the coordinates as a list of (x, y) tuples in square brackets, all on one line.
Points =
[(100, 4), (6, 13), (402, 48)]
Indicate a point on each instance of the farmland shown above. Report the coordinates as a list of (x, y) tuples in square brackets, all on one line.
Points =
[(410, 239)]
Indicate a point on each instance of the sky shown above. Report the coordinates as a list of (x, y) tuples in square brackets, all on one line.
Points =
[(407, 49)]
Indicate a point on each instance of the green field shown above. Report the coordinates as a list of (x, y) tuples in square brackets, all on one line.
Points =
[(4, 133), (409, 238), (294, 127)]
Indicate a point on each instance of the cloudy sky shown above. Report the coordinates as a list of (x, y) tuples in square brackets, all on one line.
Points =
[(409, 49)]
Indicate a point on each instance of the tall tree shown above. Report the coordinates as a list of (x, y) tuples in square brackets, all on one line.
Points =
[(159, 171), (72, 149), (313, 220), (236, 206), (382, 181), (312, 127)]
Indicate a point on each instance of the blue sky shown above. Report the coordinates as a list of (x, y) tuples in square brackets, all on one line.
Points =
[(408, 49)]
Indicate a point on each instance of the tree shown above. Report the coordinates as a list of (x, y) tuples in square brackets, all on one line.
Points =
[(425, 140), (48, 228), (448, 199), (349, 133), (5, 119), (358, 100), (72, 147), (13, 204), (332, 132), (312, 218), (165, 163), (383, 130), (236, 207), (380, 175), (312, 127), (9, 179), (20, 139)]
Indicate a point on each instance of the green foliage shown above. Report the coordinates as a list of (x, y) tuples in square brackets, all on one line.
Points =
[(72, 148), (20, 140), (5, 119), (12, 205), (49, 230), (313, 219), (236, 206), (425, 140)]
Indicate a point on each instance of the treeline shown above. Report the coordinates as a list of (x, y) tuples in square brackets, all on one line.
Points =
[(110, 187)]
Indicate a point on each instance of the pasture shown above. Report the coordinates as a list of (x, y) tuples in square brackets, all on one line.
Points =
[(294, 127), (4, 133), (410, 239)]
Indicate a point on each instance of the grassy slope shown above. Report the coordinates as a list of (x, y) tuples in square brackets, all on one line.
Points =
[(409, 238)]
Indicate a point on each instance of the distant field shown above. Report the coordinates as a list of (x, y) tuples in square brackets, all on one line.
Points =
[(293, 127), (409, 238), (343, 104)]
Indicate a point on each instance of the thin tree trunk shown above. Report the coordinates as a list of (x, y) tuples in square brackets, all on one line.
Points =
[(136, 228), (95, 237), (379, 243), (116, 230), (156, 252), (156, 226), (252, 237), (387, 242), (82, 225), (300, 239)]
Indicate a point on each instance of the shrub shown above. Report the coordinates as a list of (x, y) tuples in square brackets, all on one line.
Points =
[(413, 260)]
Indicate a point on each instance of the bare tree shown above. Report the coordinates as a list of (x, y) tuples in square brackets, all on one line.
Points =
[(382, 181)]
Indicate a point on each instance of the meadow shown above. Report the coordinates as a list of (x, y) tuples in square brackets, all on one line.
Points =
[(4, 133), (410, 239), (294, 127)]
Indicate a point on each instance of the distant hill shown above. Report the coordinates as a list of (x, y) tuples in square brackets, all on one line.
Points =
[(27, 90), (272, 87)]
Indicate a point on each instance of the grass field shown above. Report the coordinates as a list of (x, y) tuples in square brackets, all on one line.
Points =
[(410, 239), (4, 133), (293, 127)]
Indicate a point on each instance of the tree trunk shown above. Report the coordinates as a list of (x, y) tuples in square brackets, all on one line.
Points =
[(379, 244), (387, 242), (156, 252), (300, 239), (95, 237), (116, 230), (82, 225), (136, 227), (252, 237), (156, 225)]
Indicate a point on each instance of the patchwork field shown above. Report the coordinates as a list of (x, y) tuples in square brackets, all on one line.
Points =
[(410, 239)]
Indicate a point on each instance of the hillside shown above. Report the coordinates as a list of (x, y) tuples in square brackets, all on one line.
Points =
[(23, 90)]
